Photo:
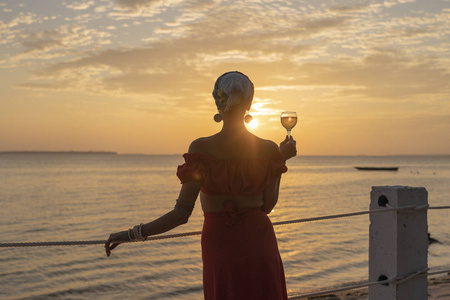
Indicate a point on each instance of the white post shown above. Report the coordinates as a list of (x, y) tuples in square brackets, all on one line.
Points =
[(398, 245)]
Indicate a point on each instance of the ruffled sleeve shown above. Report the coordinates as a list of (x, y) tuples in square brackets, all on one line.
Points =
[(193, 169)]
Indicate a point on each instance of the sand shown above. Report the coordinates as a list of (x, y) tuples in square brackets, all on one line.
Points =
[(438, 289)]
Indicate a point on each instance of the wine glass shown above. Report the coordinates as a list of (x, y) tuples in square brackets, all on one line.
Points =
[(288, 120)]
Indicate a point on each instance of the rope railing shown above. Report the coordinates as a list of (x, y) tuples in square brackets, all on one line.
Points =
[(193, 233), (395, 280), (424, 272)]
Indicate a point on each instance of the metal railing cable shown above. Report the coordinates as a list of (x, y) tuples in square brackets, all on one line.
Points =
[(395, 280), (177, 235)]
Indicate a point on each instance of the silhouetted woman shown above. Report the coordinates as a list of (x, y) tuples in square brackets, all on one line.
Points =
[(237, 175)]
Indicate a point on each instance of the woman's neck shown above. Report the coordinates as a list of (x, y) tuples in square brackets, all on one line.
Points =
[(233, 123)]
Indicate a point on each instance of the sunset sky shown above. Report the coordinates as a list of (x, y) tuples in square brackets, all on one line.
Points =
[(136, 76)]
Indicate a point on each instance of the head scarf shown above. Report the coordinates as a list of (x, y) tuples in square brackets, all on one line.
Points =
[(232, 88)]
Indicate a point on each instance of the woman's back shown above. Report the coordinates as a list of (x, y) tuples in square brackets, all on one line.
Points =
[(236, 166)]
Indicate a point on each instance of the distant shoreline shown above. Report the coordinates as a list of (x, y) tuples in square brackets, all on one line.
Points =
[(180, 154), (58, 152)]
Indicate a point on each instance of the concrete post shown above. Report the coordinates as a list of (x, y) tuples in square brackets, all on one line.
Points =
[(398, 245)]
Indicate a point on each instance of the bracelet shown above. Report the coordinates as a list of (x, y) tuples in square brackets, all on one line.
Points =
[(129, 234), (140, 232), (137, 230)]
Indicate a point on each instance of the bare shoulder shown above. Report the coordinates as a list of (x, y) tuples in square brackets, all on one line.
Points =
[(200, 145), (197, 146), (268, 147)]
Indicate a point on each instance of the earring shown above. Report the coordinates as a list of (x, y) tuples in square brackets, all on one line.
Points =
[(218, 118), (248, 118)]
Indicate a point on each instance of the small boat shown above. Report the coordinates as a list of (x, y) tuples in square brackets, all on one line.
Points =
[(377, 168)]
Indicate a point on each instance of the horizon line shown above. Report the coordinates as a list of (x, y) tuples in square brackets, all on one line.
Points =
[(160, 154)]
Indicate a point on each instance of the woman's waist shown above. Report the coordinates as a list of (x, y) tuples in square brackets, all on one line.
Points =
[(230, 218), (224, 190), (222, 203), (238, 212)]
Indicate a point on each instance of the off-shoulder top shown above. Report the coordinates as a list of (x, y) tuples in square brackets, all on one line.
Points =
[(230, 177)]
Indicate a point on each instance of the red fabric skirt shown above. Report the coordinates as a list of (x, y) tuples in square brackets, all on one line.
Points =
[(240, 257)]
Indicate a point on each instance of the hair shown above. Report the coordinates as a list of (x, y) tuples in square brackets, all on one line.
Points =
[(232, 82)]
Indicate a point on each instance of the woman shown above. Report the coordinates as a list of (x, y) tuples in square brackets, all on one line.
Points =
[(237, 175)]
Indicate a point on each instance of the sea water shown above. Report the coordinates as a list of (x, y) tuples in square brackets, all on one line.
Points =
[(67, 197)]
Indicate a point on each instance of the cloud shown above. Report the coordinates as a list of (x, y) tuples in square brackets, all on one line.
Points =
[(80, 5), (60, 42), (136, 5), (387, 74), (143, 8), (280, 45), (163, 70), (345, 8), (44, 86), (21, 19), (41, 41)]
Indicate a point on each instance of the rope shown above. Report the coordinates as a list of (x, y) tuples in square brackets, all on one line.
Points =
[(346, 215), (438, 272), (61, 243), (169, 236), (400, 281), (70, 243), (327, 292), (394, 280), (439, 207)]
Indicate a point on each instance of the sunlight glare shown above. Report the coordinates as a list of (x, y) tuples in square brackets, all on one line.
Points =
[(253, 124)]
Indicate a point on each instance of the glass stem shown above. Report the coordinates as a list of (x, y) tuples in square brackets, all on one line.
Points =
[(289, 133)]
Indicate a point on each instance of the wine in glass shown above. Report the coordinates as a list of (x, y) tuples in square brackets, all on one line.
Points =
[(288, 120)]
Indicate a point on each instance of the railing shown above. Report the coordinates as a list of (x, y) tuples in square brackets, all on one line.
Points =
[(397, 266)]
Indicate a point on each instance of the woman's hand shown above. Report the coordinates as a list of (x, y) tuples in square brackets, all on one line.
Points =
[(115, 239), (288, 148)]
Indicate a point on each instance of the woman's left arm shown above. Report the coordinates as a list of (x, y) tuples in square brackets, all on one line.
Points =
[(288, 149), (270, 195)]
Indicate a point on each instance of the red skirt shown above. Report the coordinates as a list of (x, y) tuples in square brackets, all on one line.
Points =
[(240, 257)]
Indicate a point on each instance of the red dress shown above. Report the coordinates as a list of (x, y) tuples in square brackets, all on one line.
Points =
[(239, 248)]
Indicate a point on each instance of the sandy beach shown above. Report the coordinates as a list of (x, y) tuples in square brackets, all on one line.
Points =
[(438, 289)]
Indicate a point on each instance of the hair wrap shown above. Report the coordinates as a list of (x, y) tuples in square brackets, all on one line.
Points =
[(232, 88)]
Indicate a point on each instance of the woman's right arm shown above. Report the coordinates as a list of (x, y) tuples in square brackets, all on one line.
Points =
[(184, 206), (174, 218)]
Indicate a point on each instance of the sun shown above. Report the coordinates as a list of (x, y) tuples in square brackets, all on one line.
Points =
[(253, 124)]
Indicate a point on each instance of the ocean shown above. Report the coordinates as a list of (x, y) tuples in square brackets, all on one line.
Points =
[(66, 197)]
